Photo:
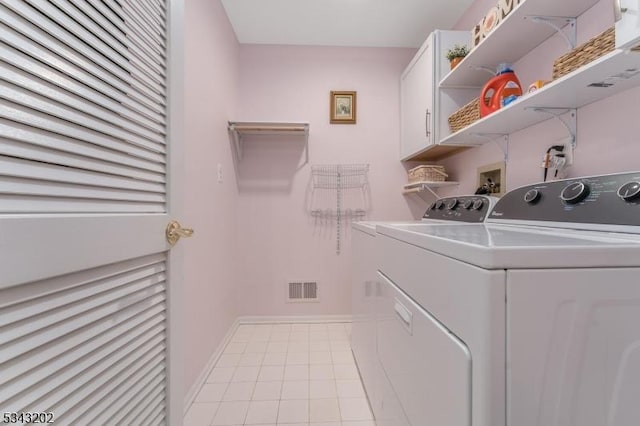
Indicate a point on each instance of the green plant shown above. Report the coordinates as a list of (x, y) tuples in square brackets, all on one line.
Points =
[(457, 51)]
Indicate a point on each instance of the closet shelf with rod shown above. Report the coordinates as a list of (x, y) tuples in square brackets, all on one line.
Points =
[(239, 129)]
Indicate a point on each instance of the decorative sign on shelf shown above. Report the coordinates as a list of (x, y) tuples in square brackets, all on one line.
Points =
[(491, 20)]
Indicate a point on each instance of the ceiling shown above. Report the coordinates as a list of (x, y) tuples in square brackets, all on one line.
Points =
[(362, 23)]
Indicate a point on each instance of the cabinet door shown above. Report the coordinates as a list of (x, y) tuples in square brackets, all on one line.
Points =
[(416, 104), (628, 23), (428, 367)]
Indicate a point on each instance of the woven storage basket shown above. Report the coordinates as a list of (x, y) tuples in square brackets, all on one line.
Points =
[(464, 116), (427, 173), (585, 53)]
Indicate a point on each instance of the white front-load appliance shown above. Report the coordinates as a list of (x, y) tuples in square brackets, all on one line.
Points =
[(366, 290), (532, 319)]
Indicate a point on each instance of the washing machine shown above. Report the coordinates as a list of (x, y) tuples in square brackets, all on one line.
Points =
[(366, 291), (531, 319)]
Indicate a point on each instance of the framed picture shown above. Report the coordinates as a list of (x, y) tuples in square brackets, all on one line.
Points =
[(342, 108)]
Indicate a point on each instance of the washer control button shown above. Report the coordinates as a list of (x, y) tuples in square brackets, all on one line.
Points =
[(452, 204), (438, 205), (629, 191), (532, 196), (574, 193), (478, 204), (468, 204)]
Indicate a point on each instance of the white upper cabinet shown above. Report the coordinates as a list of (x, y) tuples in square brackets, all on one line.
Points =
[(424, 110), (416, 107), (627, 24)]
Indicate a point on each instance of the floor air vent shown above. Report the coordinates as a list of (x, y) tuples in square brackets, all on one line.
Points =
[(303, 291)]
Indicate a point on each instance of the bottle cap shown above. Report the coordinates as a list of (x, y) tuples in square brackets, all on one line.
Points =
[(504, 67)]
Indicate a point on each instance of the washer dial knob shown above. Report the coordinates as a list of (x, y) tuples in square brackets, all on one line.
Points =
[(438, 205), (629, 191), (574, 193), (478, 204), (468, 204), (532, 196), (452, 204)]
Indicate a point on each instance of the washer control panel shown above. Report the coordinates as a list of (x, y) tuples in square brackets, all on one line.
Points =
[(465, 208), (609, 199)]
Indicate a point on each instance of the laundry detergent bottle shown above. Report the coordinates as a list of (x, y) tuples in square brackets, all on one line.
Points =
[(504, 86)]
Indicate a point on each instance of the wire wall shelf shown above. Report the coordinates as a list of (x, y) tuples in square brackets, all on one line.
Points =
[(339, 193)]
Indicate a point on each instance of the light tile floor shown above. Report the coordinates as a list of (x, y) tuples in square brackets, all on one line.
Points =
[(284, 374)]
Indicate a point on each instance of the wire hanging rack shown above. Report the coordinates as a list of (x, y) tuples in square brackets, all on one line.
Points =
[(340, 177)]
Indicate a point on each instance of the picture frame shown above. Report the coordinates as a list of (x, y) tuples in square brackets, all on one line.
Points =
[(342, 107)]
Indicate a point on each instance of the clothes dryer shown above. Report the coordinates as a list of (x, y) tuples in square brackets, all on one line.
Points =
[(530, 319), (471, 209)]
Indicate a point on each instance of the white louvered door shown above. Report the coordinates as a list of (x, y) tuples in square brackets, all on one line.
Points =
[(90, 109)]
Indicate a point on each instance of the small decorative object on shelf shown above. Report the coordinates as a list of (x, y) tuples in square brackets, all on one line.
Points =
[(427, 173), (456, 54), (494, 16), (342, 107)]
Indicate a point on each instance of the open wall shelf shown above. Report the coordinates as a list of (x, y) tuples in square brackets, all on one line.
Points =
[(606, 76), (512, 39)]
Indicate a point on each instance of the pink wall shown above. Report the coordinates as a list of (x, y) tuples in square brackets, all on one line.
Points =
[(607, 130), (278, 241), (253, 232), (211, 69)]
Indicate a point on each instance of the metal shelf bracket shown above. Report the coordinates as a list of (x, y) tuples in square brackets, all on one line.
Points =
[(426, 189), (571, 123), (500, 139), (491, 71), (422, 188), (555, 22)]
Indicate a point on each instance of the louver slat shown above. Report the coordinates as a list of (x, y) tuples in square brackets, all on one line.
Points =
[(82, 107), (98, 339)]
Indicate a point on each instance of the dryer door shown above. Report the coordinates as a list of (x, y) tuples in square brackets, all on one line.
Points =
[(429, 368)]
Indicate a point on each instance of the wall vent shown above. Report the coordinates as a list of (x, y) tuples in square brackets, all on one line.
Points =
[(302, 291)]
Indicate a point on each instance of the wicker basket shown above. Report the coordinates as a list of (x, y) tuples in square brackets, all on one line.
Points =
[(427, 173), (585, 53), (464, 116)]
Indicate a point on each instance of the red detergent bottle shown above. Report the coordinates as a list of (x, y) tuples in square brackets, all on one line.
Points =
[(503, 85)]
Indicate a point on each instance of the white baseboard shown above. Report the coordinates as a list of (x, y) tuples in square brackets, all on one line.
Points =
[(271, 319), (195, 388), (266, 319)]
